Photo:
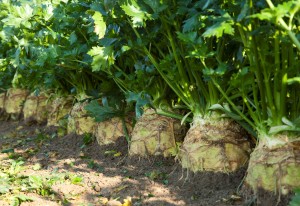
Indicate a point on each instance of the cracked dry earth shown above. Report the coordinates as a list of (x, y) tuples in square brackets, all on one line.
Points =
[(75, 170)]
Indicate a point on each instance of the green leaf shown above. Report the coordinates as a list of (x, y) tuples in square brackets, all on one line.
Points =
[(100, 26), (137, 14), (36, 181), (73, 38), (244, 11), (265, 14), (141, 99), (189, 37), (76, 180), (102, 57), (192, 23), (101, 113), (24, 198), (37, 166), (287, 122), (295, 199), (226, 111), (276, 129), (4, 188), (279, 11), (9, 150), (219, 29), (15, 201), (156, 5), (293, 80)]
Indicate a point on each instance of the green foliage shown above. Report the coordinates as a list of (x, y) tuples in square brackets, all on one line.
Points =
[(100, 26), (238, 58), (140, 100), (181, 54), (105, 112), (296, 199), (46, 44), (87, 139), (118, 53), (267, 68), (15, 185), (18, 199)]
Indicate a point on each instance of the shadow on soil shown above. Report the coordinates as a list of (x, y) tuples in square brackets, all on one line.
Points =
[(108, 173)]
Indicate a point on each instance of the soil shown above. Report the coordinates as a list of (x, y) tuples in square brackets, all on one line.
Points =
[(108, 176)]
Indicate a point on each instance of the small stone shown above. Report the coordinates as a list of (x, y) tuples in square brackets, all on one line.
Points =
[(97, 188), (81, 154)]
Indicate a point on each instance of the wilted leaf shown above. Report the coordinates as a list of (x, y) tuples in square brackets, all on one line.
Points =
[(127, 202), (118, 154)]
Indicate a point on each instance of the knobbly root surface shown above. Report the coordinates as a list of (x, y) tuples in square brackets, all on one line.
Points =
[(2, 100), (60, 107), (2, 104), (36, 108), (14, 101), (78, 120), (109, 131), (155, 135), (219, 146), (275, 170)]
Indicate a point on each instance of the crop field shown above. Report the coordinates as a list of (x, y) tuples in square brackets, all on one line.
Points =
[(149, 102)]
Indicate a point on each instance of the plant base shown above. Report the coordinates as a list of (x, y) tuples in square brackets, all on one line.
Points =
[(275, 169), (2, 104), (35, 108), (219, 146), (60, 107), (14, 102), (107, 132), (78, 121), (154, 134)]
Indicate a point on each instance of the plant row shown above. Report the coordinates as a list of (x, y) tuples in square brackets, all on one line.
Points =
[(228, 68)]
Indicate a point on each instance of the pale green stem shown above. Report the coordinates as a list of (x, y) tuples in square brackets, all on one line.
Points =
[(286, 27)]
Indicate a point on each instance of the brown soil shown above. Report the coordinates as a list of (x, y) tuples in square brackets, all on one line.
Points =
[(109, 175)]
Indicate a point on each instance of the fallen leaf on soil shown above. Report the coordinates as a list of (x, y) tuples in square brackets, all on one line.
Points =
[(127, 202), (37, 166), (103, 200), (235, 197), (118, 154), (19, 128)]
